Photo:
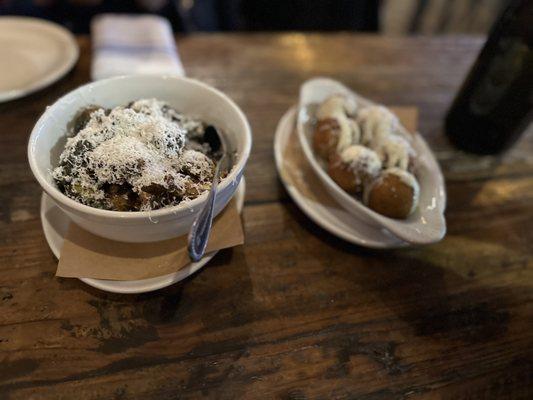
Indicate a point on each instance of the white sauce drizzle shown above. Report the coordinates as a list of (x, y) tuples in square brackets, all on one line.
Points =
[(340, 108), (376, 123), (394, 151)]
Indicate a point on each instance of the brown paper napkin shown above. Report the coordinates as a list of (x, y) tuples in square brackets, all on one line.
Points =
[(85, 255)]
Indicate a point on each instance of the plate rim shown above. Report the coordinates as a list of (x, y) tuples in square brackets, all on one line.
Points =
[(72, 49), (305, 207)]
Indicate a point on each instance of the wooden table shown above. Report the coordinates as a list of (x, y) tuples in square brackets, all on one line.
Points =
[(295, 313)]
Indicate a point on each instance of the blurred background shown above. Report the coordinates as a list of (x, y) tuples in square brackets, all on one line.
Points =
[(398, 17)]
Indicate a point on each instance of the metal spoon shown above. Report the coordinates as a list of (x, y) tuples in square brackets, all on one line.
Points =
[(201, 227)]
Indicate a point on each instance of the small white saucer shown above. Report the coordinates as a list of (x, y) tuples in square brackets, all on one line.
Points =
[(55, 226), (306, 190)]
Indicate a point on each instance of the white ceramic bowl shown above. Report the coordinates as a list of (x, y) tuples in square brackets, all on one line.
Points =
[(189, 96), (427, 223)]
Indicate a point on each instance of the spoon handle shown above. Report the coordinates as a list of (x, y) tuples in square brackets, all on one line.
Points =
[(201, 227)]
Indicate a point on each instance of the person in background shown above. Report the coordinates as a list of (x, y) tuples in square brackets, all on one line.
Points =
[(211, 15)]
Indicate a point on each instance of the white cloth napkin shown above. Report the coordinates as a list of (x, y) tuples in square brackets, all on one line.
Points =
[(133, 44)]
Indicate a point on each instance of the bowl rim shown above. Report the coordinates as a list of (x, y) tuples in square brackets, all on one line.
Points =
[(61, 198)]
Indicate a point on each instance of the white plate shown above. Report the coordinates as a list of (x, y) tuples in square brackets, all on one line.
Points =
[(316, 203), (55, 225), (33, 54)]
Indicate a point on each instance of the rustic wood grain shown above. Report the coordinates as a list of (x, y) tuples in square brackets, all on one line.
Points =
[(295, 313)]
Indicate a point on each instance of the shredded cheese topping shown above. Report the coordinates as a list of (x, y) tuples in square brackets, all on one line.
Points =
[(141, 146), (362, 160)]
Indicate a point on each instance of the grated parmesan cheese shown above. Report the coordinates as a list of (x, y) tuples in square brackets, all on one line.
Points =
[(141, 148), (361, 159)]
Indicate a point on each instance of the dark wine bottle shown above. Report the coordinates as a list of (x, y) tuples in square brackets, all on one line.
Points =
[(495, 103)]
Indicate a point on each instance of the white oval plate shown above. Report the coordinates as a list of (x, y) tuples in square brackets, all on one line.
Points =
[(55, 226), (318, 205), (33, 54), (427, 224)]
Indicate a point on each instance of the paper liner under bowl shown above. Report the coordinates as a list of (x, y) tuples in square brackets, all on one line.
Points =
[(55, 226)]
